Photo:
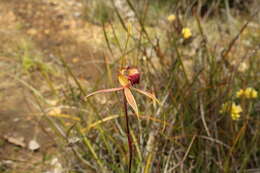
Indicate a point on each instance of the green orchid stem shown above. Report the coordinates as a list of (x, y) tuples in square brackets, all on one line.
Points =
[(128, 134)]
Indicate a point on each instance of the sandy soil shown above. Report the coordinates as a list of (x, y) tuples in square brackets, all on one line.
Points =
[(56, 28)]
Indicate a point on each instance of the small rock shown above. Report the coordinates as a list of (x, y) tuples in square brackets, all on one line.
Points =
[(57, 167), (16, 119), (16, 140), (33, 145), (6, 164)]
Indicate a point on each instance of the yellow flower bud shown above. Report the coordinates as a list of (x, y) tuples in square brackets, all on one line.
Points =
[(186, 32), (233, 109)]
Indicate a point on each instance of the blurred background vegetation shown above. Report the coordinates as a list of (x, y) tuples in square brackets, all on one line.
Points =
[(200, 58)]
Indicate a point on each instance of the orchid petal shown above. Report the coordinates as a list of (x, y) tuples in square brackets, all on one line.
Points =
[(123, 80), (147, 94), (104, 91), (131, 100)]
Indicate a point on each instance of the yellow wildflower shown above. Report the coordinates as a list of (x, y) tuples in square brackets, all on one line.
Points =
[(186, 32), (233, 109), (235, 116), (251, 93), (171, 18), (248, 93), (240, 93)]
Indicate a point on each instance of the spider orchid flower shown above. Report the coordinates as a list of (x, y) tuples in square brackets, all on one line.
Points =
[(127, 78)]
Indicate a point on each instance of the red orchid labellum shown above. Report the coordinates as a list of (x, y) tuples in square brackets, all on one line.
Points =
[(128, 77), (133, 75)]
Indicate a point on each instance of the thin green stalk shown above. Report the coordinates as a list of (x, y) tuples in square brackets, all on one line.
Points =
[(116, 38), (180, 61), (123, 57), (137, 146), (139, 21), (106, 38), (49, 82)]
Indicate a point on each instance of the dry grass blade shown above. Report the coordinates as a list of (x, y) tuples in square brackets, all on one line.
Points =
[(148, 162), (131, 100), (112, 117), (231, 44), (185, 156), (67, 116), (93, 125)]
